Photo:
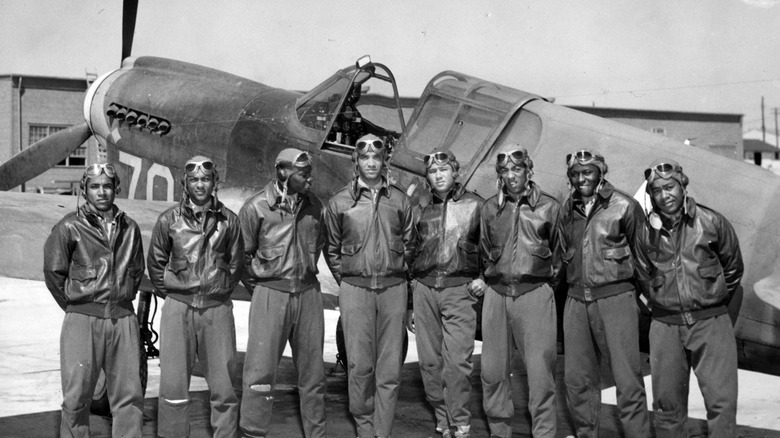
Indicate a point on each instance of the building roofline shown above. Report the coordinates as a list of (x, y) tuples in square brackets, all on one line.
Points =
[(659, 114), (752, 145)]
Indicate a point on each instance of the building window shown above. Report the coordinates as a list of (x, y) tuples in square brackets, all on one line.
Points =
[(659, 131), (38, 132)]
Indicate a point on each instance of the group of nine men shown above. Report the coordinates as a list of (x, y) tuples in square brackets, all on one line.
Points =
[(512, 250)]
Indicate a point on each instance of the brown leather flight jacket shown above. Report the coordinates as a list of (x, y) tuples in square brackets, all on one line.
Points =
[(90, 273), (448, 239), (690, 270), (519, 242), (197, 262), (282, 244), (370, 241), (599, 248)]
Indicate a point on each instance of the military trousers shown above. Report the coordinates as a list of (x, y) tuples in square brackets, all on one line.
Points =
[(210, 335), (605, 328), (87, 345), (527, 323), (373, 323), (276, 317), (708, 346), (445, 324)]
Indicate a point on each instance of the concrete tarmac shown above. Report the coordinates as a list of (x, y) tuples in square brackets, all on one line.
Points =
[(30, 395)]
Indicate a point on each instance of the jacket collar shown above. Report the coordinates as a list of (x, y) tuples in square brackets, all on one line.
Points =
[(88, 212), (531, 196), (456, 192), (688, 214), (356, 188), (603, 195), (274, 199), (184, 205)]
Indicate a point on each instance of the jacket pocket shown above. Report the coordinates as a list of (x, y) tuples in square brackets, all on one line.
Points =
[(713, 283), (616, 254), (83, 281), (568, 255), (268, 262), (541, 252), (618, 264), (469, 256), (83, 273), (397, 246), (177, 274), (270, 253), (351, 261), (397, 249), (313, 254), (223, 273), (710, 271), (177, 265), (495, 253), (540, 262)]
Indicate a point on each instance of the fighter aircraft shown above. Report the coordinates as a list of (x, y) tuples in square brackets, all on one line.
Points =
[(153, 113)]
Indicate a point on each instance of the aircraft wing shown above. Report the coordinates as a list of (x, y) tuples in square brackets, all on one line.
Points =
[(26, 221), (768, 289)]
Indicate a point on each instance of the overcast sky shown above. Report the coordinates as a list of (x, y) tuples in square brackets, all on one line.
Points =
[(684, 55)]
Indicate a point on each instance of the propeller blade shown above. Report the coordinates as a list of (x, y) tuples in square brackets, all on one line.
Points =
[(41, 156), (129, 11)]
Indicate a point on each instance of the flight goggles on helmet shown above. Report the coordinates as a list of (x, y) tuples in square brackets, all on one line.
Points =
[(517, 156), (301, 159), (583, 157), (205, 164), (365, 142), (96, 169), (438, 159), (665, 169)]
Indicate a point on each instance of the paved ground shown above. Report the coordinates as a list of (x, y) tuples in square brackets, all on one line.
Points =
[(30, 394)]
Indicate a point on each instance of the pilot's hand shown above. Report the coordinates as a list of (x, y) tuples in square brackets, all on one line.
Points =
[(477, 287), (410, 320)]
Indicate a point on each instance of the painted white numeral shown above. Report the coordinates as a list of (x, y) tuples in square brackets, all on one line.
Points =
[(135, 163), (162, 172)]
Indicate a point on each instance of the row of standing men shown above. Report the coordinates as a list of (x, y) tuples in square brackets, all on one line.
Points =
[(511, 250)]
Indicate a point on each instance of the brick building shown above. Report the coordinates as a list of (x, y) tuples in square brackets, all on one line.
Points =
[(33, 107)]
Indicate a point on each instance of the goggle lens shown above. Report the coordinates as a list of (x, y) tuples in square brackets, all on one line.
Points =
[(664, 170), (582, 157), (192, 166), (96, 169), (518, 157), (363, 145), (437, 158)]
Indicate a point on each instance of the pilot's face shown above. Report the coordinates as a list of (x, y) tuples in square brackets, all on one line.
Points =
[(370, 166), (100, 192), (300, 181), (584, 178), (441, 177), (514, 177), (200, 187), (668, 195)]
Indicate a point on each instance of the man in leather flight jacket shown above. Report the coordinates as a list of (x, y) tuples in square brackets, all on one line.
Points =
[(284, 232), (601, 314), (195, 260), (691, 265), (447, 272), (519, 247), (370, 244), (93, 265)]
